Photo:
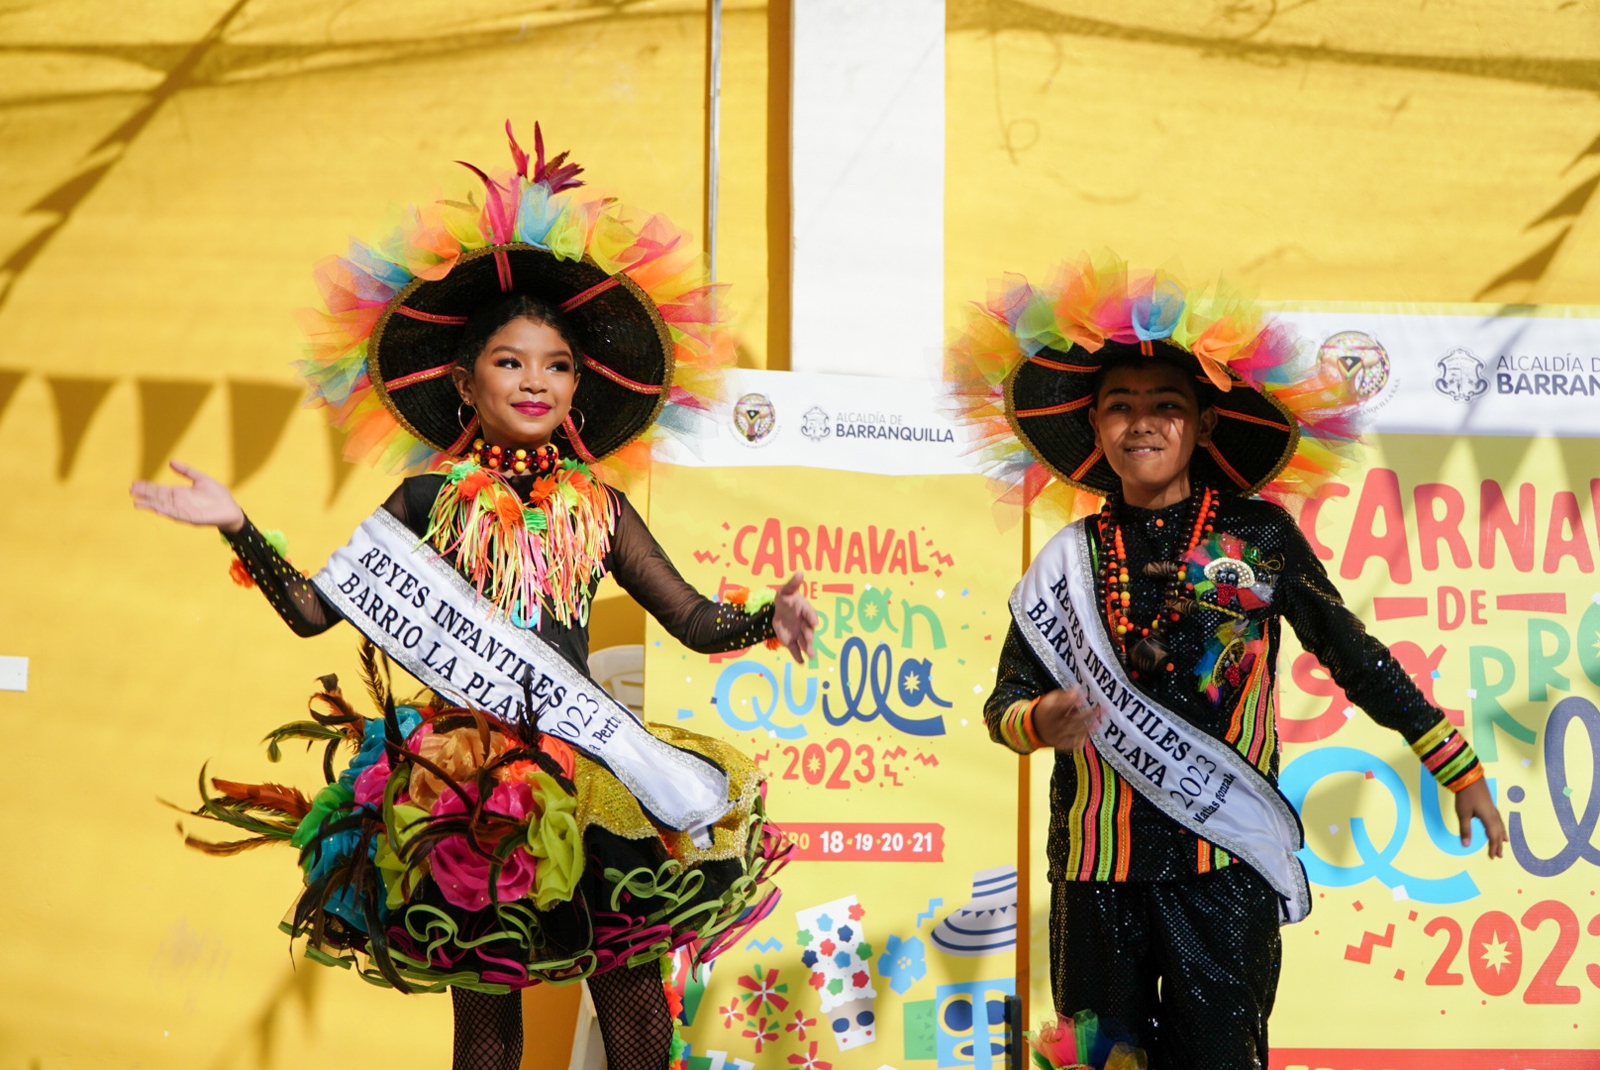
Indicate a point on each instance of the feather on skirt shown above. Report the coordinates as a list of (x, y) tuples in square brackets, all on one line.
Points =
[(452, 851)]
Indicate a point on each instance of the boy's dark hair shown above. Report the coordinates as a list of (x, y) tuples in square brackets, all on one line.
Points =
[(1205, 394), (483, 324)]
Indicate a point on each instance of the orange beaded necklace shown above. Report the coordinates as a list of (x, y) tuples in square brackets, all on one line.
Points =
[(1147, 652)]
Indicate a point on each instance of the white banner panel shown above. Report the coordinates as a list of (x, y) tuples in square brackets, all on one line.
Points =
[(1423, 374), (855, 423), (1481, 373)]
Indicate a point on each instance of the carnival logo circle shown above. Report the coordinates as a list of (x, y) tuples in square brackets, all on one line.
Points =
[(1362, 359), (754, 419), (1460, 375), (814, 424)]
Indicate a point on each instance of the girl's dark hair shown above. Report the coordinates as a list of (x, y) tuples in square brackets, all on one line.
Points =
[(483, 324), (1205, 394)]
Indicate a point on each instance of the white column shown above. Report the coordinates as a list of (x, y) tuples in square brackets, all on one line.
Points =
[(868, 172)]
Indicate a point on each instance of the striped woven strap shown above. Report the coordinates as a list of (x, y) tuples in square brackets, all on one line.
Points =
[(418, 377), (618, 378), (1057, 410), (430, 317), (591, 293)]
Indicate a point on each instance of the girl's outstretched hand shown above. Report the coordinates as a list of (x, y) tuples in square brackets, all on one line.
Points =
[(205, 502), (1474, 801), (794, 622)]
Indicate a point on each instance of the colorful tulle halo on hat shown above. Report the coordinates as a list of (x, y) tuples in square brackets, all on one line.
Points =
[(636, 293), (1021, 377)]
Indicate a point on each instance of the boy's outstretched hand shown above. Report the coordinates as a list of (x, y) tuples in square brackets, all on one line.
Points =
[(1064, 719), (1473, 801)]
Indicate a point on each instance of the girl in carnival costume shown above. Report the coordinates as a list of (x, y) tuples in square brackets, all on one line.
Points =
[(1144, 638), (510, 824)]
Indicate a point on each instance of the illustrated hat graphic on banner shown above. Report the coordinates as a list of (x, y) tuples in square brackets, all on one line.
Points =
[(987, 923)]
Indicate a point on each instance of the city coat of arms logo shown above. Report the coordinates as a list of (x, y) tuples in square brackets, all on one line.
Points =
[(814, 424), (1460, 376)]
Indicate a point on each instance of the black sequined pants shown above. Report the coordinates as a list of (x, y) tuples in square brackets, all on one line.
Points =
[(1188, 968)]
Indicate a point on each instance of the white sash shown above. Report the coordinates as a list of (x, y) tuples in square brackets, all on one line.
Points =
[(428, 618), (1196, 779)]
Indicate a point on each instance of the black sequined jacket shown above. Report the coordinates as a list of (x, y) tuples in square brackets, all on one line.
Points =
[(635, 560), (1102, 829)]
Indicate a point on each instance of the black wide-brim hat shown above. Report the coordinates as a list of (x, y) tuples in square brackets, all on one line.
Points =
[(626, 358), (1048, 397)]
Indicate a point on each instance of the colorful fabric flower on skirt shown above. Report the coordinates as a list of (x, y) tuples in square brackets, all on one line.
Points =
[(462, 871), (764, 991), (372, 740), (732, 1014), (903, 962), (369, 771), (554, 839), (807, 1060), (330, 851), (343, 901), (400, 878), (458, 753)]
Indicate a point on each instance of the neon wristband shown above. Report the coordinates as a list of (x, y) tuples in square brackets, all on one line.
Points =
[(1027, 726)]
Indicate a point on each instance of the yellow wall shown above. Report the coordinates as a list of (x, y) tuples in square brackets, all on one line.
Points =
[(1340, 151), (185, 262), (1349, 151)]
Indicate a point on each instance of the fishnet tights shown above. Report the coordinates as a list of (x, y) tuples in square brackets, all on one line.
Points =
[(488, 1030), (634, 1020), (630, 1004)]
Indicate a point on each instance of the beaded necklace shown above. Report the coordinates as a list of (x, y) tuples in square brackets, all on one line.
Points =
[(525, 554), (1148, 652), (541, 460)]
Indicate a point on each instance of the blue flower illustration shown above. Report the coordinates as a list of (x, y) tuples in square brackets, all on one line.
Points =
[(903, 963)]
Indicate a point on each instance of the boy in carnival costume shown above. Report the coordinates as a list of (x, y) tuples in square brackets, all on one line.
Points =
[(1144, 640)]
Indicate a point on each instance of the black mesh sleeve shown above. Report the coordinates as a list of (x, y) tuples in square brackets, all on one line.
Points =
[(302, 608), (642, 569), (291, 594)]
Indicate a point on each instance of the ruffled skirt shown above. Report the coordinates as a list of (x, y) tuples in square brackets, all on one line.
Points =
[(452, 851)]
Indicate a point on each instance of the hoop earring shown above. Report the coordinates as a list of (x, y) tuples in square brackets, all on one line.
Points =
[(460, 419), (581, 421)]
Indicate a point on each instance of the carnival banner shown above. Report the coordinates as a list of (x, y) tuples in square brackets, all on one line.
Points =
[(893, 943), (1472, 554), (1466, 540)]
